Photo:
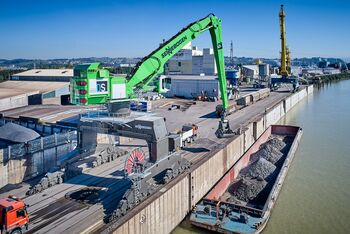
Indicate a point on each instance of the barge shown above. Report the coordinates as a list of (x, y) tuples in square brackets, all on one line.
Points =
[(242, 201)]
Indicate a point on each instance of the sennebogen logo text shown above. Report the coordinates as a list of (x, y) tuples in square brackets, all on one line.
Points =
[(169, 50)]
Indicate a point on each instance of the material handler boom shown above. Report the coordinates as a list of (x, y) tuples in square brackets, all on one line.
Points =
[(94, 85)]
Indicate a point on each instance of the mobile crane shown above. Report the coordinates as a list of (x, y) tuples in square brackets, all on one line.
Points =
[(93, 85)]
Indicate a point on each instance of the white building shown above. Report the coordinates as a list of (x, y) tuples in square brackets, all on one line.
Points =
[(250, 71), (192, 61), (191, 86), (330, 71)]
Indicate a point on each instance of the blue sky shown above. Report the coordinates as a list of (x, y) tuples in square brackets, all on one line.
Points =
[(72, 29)]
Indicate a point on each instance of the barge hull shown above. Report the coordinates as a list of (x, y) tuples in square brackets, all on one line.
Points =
[(216, 214)]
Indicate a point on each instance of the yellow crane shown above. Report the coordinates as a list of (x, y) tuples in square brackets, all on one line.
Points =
[(285, 53), (285, 68)]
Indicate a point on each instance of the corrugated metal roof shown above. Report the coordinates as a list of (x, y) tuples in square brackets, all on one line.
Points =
[(17, 133), (192, 77), (47, 72), (31, 86), (252, 67)]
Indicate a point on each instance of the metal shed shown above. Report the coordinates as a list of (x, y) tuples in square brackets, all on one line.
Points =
[(191, 85)]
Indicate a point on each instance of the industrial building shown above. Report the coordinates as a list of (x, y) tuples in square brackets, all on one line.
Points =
[(191, 60), (57, 75), (264, 70), (36, 86), (250, 71), (191, 86), (314, 71), (17, 93)]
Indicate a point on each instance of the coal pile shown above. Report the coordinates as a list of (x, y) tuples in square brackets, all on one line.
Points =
[(247, 189), (259, 169), (268, 152)]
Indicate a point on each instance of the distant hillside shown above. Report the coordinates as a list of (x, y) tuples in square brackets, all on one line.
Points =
[(116, 62)]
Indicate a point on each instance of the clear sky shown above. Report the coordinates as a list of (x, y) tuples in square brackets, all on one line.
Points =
[(76, 28)]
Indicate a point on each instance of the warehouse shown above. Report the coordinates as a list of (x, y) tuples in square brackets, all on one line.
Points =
[(57, 75), (192, 86), (36, 86), (18, 93)]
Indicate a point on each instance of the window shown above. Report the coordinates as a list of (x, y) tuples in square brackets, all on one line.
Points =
[(76, 72), (20, 213), (179, 63)]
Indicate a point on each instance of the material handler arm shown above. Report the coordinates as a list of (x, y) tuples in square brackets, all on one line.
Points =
[(153, 65)]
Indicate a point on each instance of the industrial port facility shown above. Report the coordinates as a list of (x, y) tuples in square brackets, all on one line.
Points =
[(182, 136)]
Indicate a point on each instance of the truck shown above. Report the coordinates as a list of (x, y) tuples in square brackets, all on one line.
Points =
[(14, 218), (188, 134)]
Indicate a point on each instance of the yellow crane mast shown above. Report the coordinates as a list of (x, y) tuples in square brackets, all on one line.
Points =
[(285, 54)]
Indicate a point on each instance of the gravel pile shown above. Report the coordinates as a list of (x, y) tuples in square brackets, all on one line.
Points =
[(247, 189), (255, 177), (260, 168), (268, 152), (275, 142)]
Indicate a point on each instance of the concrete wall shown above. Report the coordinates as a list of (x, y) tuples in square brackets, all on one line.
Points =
[(163, 213), (3, 169), (13, 102)]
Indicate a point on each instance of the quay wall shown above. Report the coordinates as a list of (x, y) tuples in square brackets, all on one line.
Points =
[(24, 161)]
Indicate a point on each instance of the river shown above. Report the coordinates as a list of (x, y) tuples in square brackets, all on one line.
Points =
[(316, 195)]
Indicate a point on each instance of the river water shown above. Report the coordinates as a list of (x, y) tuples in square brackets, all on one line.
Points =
[(315, 197)]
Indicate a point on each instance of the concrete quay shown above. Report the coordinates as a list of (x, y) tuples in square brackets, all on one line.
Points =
[(165, 209)]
